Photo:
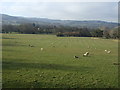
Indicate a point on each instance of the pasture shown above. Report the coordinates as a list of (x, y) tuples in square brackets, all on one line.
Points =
[(55, 66)]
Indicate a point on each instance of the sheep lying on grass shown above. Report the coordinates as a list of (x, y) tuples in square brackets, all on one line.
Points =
[(86, 54), (107, 51), (41, 49)]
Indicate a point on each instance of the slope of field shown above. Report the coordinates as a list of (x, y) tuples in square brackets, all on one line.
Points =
[(55, 66)]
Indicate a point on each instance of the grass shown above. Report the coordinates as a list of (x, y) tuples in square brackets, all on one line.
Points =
[(55, 67)]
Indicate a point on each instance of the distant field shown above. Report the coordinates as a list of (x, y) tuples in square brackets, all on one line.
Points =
[(55, 66)]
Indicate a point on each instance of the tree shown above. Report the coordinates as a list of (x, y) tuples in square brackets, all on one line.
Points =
[(97, 33), (84, 32), (27, 29), (106, 34), (114, 34)]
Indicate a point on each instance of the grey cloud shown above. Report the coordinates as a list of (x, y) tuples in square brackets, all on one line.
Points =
[(65, 10)]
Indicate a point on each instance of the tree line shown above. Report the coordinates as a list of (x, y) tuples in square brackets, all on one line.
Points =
[(60, 31)]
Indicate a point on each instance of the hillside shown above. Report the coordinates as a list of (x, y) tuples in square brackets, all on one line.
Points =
[(14, 20)]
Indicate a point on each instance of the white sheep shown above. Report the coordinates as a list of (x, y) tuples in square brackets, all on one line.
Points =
[(86, 54), (108, 51), (41, 49), (105, 50)]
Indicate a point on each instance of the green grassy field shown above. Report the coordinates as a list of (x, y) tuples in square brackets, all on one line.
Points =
[(55, 66)]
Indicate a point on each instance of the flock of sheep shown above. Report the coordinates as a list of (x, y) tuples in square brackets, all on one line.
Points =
[(84, 55), (33, 46), (107, 51), (87, 53)]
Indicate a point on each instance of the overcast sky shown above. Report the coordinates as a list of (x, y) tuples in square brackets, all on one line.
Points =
[(106, 11)]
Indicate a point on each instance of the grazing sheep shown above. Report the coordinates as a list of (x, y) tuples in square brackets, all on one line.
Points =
[(86, 54), (41, 49), (105, 50), (76, 57), (108, 51)]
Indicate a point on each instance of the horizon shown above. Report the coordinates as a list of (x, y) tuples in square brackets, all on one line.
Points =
[(58, 19), (80, 11)]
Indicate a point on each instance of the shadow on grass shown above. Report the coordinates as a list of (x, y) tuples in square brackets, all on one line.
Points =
[(35, 84), (12, 44), (21, 84), (13, 65), (7, 38), (9, 50)]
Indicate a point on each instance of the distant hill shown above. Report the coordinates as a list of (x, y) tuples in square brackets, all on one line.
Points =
[(14, 20)]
